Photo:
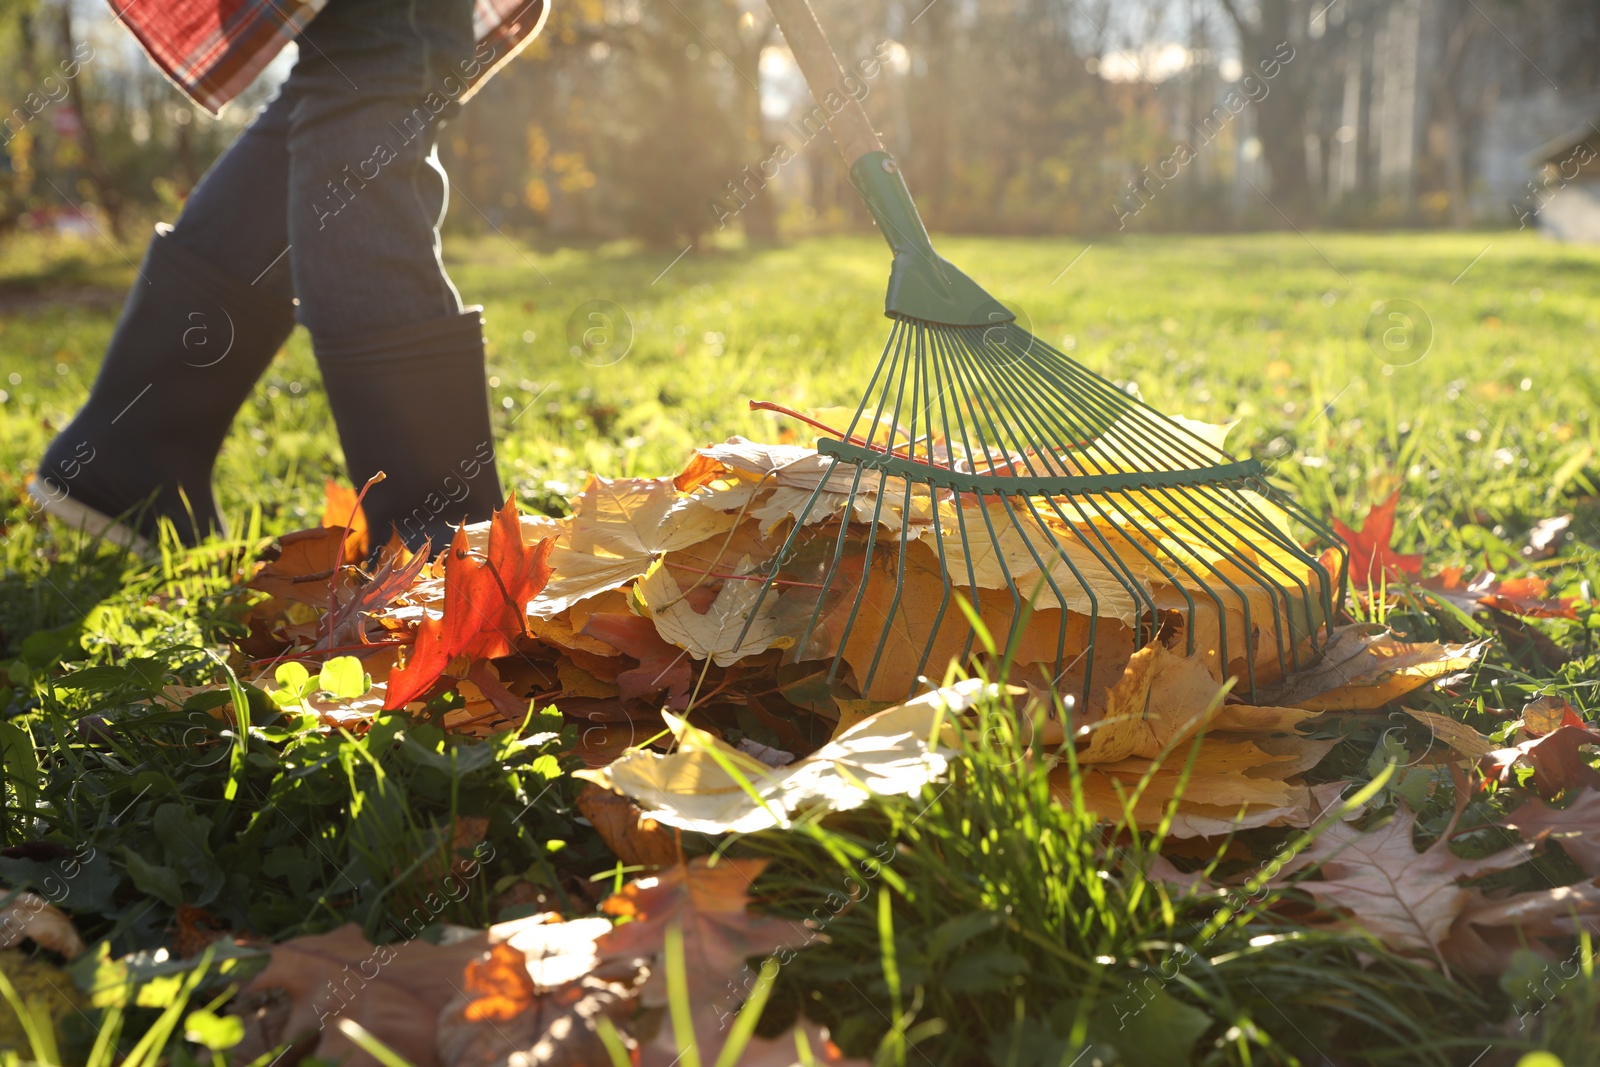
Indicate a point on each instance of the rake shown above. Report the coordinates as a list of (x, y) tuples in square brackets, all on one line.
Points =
[(984, 464)]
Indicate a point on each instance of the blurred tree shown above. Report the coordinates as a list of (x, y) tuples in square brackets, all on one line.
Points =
[(673, 139), (1272, 31)]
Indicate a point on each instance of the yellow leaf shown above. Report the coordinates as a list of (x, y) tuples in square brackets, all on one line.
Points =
[(717, 633), (1161, 699), (616, 530), (1458, 735), (577, 682)]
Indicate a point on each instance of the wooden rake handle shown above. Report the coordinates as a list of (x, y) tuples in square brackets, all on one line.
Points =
[(847, 119)]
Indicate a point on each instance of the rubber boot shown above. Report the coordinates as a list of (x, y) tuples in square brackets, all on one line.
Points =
[(190, 345), (414, 404)]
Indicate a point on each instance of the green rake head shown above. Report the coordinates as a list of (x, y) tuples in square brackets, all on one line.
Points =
[(1076, 522)]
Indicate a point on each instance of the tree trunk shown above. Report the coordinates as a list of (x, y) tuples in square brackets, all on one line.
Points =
[(1280, 114), (105, 188)]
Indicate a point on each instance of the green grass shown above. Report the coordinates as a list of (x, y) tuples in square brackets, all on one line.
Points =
[(1490, 430), (1259, 328)]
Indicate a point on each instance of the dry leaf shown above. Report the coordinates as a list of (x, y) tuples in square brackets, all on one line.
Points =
[(555, 1030), (30, 916), (1458, 735), (1546, 714), (1361, 670), (1557, 760), (342, 510), (618, 527), (534, 996), (711, 905), (1488, 932), (1528, 596), (1233, 784), (1161, 699), (662, 666), (725, 631), (886, 754), (1576, 827), (345, 626), (1405, 898), (1372, 559), (304, 567), (485, 604), (635, 839), (395, 992)]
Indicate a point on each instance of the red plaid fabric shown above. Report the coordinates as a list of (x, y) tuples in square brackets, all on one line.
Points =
[(212, 49)]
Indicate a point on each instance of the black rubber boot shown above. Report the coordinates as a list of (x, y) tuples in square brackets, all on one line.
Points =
[(413, 403), (187, 351)]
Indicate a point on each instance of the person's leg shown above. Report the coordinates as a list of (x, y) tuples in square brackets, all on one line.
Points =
[(401, 361), (211, 307)]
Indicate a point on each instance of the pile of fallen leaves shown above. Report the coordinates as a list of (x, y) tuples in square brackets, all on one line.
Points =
[(638, 605)]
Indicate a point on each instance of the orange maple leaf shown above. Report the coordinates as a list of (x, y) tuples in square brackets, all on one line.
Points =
[(341, 509), (1372, 557), (1528, 596), (305, 563), (485, 604)]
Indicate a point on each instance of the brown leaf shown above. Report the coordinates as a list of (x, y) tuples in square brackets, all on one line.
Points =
[(1487, 932), (1575, 827), (1458, 735), (617, 529), (1546, 714), (1528, 596), (393, 991), (1545, 537), (662, 666), (345, 625), (556, 1029), (499, 984), (1557, 759), (1405, 898), (32, 917), (1232, 784), (1160, 699), (1361, 670), (634, 839), (719, 931), (909, 624)]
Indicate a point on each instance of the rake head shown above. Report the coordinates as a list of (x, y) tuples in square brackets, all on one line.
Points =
[(1075, 522)]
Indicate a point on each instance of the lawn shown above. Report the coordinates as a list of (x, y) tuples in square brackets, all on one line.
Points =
[(1458, 369)]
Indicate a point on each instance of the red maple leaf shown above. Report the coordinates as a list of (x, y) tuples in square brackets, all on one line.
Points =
[(485, 602), (1372, 557)]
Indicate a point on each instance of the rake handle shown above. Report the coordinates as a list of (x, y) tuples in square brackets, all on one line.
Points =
[(852, 129)]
